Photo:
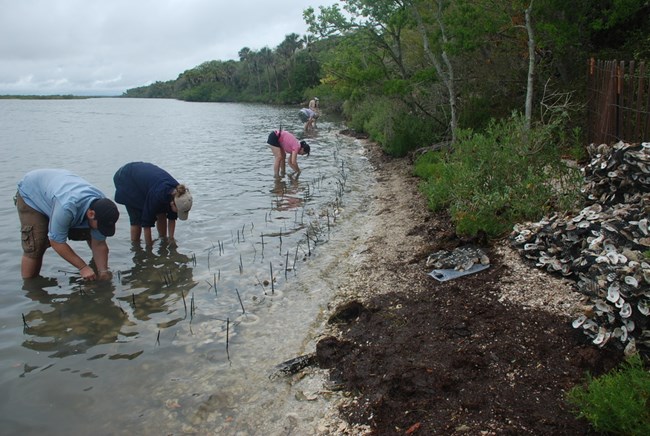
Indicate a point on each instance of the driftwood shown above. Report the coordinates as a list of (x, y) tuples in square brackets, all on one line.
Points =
[(433, 147), (293, 366)]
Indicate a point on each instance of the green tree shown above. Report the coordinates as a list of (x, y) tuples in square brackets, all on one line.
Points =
[(441, 60), (266, 60), (286, 52)]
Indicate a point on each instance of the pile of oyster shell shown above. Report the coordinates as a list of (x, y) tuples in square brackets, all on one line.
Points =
[(605, 247)]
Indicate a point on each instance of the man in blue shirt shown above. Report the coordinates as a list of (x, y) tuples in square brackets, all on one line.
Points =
[(55, 205)]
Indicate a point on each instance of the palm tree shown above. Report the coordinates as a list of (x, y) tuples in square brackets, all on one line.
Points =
[(287, 50), (266, 59)]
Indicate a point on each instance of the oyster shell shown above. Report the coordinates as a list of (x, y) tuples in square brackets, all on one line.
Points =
[(644, 307), (579, 321), (613, 294), (602, 337), (626, 310), (603, 245)]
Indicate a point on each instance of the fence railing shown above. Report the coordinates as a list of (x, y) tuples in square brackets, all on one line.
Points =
[(618, 102)]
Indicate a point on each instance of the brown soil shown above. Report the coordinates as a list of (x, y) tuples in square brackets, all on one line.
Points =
[(488, 353)]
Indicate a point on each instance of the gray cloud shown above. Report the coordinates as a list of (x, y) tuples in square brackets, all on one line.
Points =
[(103, 47)]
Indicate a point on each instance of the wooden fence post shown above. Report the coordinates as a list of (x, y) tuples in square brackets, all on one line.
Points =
[(618, 102)]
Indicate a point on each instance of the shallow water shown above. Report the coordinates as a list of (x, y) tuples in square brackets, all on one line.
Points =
[(184, 338)]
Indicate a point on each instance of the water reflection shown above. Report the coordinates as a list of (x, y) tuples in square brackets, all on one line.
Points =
[(74, 318), (71, 323), (158, 280), (287, 194)]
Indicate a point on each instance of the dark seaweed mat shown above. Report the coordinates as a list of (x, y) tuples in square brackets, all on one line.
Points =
[(449, 358)]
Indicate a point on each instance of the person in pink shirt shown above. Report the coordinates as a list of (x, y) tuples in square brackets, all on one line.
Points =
[(283, 143)]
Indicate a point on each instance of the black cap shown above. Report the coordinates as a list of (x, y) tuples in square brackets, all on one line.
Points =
[(106, 215), (273, 139)]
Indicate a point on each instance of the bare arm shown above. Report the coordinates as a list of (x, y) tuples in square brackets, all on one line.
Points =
[(161, 224), (293, 161), (66, 252), (100, 255)]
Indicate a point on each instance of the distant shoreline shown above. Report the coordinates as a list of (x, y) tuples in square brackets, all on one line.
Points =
[(54, 97)]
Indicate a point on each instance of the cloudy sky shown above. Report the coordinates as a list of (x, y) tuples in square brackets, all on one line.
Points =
[(104, 47)]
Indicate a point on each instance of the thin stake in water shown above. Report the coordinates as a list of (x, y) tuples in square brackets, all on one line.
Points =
[(133, 300), (184, 303), (295, 258), (25, 325), (272, 286), (286, 265), (308, 245), (158, 338), (192, 307), (240, 302), (227, 337)]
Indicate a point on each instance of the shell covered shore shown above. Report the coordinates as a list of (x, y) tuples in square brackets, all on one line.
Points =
[(605, 247)]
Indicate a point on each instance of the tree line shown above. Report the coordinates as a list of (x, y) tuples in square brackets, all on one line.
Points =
[(411, 73), (280, 75)]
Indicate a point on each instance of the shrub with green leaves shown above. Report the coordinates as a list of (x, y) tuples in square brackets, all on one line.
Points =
[(617, 402), (409, 133), (496, 178), (388, 122)]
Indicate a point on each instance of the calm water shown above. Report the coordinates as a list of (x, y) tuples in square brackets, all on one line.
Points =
[(183, 339)]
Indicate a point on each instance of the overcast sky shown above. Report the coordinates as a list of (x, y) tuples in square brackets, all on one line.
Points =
[(104, 47)]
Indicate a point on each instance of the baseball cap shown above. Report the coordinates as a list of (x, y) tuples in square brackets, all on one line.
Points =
[(183, 205), (106, 215)]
